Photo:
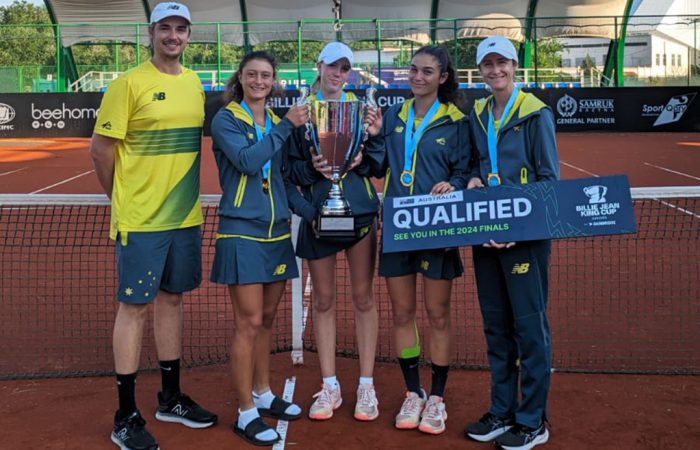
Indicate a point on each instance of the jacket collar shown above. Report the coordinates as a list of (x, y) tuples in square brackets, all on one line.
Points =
[(240, 114), (525, 105), (444, 111)]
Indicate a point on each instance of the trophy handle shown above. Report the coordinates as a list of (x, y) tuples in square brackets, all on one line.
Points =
[(304, 93), (370, 102)]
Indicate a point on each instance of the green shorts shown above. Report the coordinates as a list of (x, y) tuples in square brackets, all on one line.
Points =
[(167, 260), (443, 264)]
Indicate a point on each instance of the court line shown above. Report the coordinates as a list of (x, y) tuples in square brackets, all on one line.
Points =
[(283, 425), (13, 171), (61, 182), (672, 171), (579, 169), (683, 210)]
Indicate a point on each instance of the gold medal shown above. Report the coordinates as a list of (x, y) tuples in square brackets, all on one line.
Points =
[(406, 178), (493, 179)]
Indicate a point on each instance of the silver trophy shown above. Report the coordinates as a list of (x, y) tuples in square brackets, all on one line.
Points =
[(336, 132)]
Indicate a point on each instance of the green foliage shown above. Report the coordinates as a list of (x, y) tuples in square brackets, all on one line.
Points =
[(26, 45), (286, 52), (587, 63), (548, 53)]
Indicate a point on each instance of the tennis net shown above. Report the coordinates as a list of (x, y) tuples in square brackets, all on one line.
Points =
[(621, 304)]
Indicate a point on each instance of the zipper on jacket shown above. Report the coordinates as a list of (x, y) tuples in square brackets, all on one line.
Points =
[(272, 211)]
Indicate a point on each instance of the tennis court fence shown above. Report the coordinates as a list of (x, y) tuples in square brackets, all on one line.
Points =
[(617, 304)]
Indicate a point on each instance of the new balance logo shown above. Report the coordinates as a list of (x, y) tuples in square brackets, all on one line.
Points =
[(440, 141), (179, 410), (158, 96), (107, 125), (280, 269), (520, 269)]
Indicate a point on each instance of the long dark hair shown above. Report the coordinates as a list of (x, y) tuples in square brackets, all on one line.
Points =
[(449, 90), (234, 89)]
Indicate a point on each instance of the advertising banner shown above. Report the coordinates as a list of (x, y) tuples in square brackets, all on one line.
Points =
[(543, 210), (575, 109)]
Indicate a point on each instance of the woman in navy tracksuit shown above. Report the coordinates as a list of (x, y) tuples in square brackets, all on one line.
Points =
[(254, 254), (311, 173), (513, 142), (427, 152)]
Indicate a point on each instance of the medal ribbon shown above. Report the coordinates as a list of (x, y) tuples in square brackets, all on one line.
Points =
[(493, 137), (411, 138), (260, 135)]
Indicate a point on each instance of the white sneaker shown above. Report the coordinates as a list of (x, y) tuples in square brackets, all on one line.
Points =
[(434, 416), (408, 417), (367, 406), (328, 399)]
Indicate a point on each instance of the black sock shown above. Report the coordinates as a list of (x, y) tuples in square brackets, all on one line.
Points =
[(170, 375), (126, 388), (439, 379), (411, 374)]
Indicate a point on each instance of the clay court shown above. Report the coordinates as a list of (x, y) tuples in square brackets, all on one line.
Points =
[(601, 411)]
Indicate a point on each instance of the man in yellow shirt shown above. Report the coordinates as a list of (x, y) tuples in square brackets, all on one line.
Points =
[(146, 150)]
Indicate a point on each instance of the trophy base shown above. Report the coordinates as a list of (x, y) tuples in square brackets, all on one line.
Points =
[(335, 227)]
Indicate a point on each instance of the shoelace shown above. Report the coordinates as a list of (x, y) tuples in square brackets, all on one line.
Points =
[(522, 430), (432, 411), (366, 397), (489, 419), (411, 405), (324, 396)]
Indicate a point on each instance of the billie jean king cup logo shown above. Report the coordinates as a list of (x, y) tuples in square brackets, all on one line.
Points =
[(336, 133), (595, 194)]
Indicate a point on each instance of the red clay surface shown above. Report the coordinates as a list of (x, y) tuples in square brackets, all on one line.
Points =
[(62, 166), (587, 411)]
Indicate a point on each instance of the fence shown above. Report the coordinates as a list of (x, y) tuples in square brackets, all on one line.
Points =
[(657, 49)]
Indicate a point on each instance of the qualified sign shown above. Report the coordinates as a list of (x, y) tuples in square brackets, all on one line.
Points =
[(543, 210)]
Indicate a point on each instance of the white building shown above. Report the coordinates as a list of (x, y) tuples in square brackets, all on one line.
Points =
[(663, 39)]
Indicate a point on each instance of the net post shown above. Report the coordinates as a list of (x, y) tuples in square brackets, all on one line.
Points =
[(297, 303)]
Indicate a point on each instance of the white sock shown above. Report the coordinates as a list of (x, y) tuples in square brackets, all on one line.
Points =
[(331, 382), (367, 380), (263, 400), (247, 416)]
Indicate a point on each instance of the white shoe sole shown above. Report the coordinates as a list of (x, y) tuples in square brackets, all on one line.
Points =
[(186, 422), (541, 439), (119, 443)]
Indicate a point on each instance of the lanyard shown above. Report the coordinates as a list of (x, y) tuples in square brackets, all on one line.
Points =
[(411, 138), (259, 134), (319, 96), (493, 178)]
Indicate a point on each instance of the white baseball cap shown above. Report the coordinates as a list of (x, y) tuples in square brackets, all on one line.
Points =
[(333, 51), (170, 9), (496, 44)]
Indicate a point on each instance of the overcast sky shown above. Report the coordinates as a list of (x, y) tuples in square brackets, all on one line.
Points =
[(9, 2)]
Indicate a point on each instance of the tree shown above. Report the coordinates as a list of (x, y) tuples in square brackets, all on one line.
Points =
[(548, 53), (30, 44), (587, 63)]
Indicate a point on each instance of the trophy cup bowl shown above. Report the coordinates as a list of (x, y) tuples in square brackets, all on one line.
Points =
[(336, 134)]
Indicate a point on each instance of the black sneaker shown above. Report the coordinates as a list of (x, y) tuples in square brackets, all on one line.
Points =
[(521, 437), (488, 428), (131, 434), (182, 409)]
